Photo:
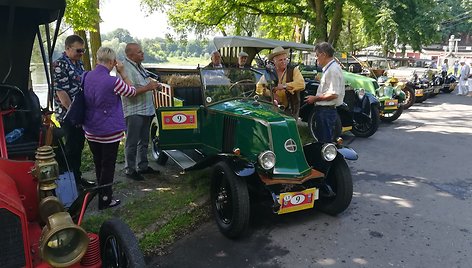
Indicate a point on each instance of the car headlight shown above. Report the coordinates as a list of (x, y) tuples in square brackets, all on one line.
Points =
[(380, 92), (361, 93), (267, 160), (329, 152)]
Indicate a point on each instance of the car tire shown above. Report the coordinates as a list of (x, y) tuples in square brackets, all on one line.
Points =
[(366, 130), (340, 180), (392, 116), (119, 246), (410, 97), (157, 154), (229, 201)]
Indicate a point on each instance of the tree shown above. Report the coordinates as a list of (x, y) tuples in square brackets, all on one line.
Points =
[(84, 17)]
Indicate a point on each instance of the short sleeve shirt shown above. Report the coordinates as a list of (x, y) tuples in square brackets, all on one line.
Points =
[(66, 77), (332, 82), (141, 104)]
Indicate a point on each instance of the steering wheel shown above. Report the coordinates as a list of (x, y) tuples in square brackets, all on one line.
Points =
[(243, 94), (8, 100)]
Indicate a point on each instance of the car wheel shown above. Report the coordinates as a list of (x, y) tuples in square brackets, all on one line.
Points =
[(229, 201), (340, 180), (157, 154), (409, 97), (367, 129), (119, 247), (390, 117)]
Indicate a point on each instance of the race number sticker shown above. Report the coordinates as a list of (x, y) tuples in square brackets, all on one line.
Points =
[(179, 120), (295, 201)]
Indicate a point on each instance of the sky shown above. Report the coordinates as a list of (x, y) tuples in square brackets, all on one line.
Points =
[(127, 14)]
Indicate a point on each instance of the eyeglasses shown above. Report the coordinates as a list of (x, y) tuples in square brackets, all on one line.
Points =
[(80, 50)]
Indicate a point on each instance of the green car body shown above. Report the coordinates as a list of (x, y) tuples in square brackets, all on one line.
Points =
[(251, 144)]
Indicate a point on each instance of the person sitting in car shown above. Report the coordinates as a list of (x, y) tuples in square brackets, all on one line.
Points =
[(215, 60)]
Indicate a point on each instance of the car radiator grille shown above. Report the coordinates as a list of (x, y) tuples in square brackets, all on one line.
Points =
[(229, 133), (350, 98), (12, 254)]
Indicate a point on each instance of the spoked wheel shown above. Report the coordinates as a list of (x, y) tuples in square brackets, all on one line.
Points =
[(410, 97), (338, 129), (368, 128), (390, 117), (229, 201), (339, 179), (119, 247), (157, 153)]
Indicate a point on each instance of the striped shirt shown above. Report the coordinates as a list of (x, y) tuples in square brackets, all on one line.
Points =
[(143, 103), (122, 89)]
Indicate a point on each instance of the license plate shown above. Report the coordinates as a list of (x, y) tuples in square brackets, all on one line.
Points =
[(419, 92), (295, 201), (391, 104)]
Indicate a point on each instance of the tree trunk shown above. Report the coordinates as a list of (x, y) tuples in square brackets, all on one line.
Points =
[(86, 56), (336, 22), (321, 28), (95, 40)]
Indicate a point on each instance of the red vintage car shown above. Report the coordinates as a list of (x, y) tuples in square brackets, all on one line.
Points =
[(38, 228)]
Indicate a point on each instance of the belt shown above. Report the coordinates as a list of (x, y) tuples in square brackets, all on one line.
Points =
[(325, 106)]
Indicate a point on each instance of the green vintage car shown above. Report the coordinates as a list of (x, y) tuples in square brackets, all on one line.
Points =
[(251, 146), (391, 98)]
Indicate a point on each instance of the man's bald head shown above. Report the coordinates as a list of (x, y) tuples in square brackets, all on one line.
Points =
[(134, 52)]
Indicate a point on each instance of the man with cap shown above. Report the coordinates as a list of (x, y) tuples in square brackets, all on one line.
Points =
[(215, 60), (463, 78), (242, 60), (289, 82), (330, 93)]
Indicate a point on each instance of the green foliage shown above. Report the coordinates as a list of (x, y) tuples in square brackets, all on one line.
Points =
[(82, 14)]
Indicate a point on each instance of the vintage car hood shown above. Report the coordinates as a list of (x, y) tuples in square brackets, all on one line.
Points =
[(249, 108), (260, 128), (360, 81)]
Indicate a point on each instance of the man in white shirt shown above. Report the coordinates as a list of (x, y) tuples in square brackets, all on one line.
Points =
[(463, 77), (330, 93)]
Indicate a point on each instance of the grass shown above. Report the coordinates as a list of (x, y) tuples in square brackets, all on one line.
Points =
[(160, 216), (190, 61)]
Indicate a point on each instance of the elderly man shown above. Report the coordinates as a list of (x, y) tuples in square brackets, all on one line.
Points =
[(215, 60), (139, 111), (242, 60), (463, 88), (289, 82), (330, 93)]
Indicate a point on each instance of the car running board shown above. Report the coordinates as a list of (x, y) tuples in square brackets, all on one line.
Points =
[(180, 158)]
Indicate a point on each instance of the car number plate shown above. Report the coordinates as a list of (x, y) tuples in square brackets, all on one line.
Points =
[(295, 201), (419, 92), (391, 104)]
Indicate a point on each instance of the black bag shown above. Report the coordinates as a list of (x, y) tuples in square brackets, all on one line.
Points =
[(76, 113)]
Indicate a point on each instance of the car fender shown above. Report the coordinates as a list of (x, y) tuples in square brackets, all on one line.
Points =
[(238, 165), (348, 153)]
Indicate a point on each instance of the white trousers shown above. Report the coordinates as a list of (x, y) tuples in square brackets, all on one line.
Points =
[(463, 87)]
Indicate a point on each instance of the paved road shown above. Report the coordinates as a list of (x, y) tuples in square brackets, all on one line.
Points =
[(412, 205)]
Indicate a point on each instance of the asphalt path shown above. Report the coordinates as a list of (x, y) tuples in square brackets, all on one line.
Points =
[(412, 205)]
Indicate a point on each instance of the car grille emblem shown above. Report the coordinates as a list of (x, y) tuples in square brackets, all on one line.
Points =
[(290, 146)]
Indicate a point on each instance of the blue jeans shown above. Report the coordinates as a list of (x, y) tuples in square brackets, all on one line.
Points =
[(325, 119)]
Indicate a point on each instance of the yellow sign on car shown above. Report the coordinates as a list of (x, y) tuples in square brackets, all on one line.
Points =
[(179, 119)]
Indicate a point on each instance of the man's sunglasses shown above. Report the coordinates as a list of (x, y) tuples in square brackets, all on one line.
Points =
[(80, 50)]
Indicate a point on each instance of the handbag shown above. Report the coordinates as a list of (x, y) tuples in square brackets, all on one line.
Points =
[(76, 113)]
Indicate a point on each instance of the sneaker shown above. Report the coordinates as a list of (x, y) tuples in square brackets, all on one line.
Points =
[(149, 170), (113, 203), (86, 183), (132, 174)]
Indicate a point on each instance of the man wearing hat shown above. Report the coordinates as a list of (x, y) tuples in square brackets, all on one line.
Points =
[(242, 60), (463, 88), (289, 82), (330, 93)]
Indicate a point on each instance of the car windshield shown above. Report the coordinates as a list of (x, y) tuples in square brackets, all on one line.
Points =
[(235, 83)]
